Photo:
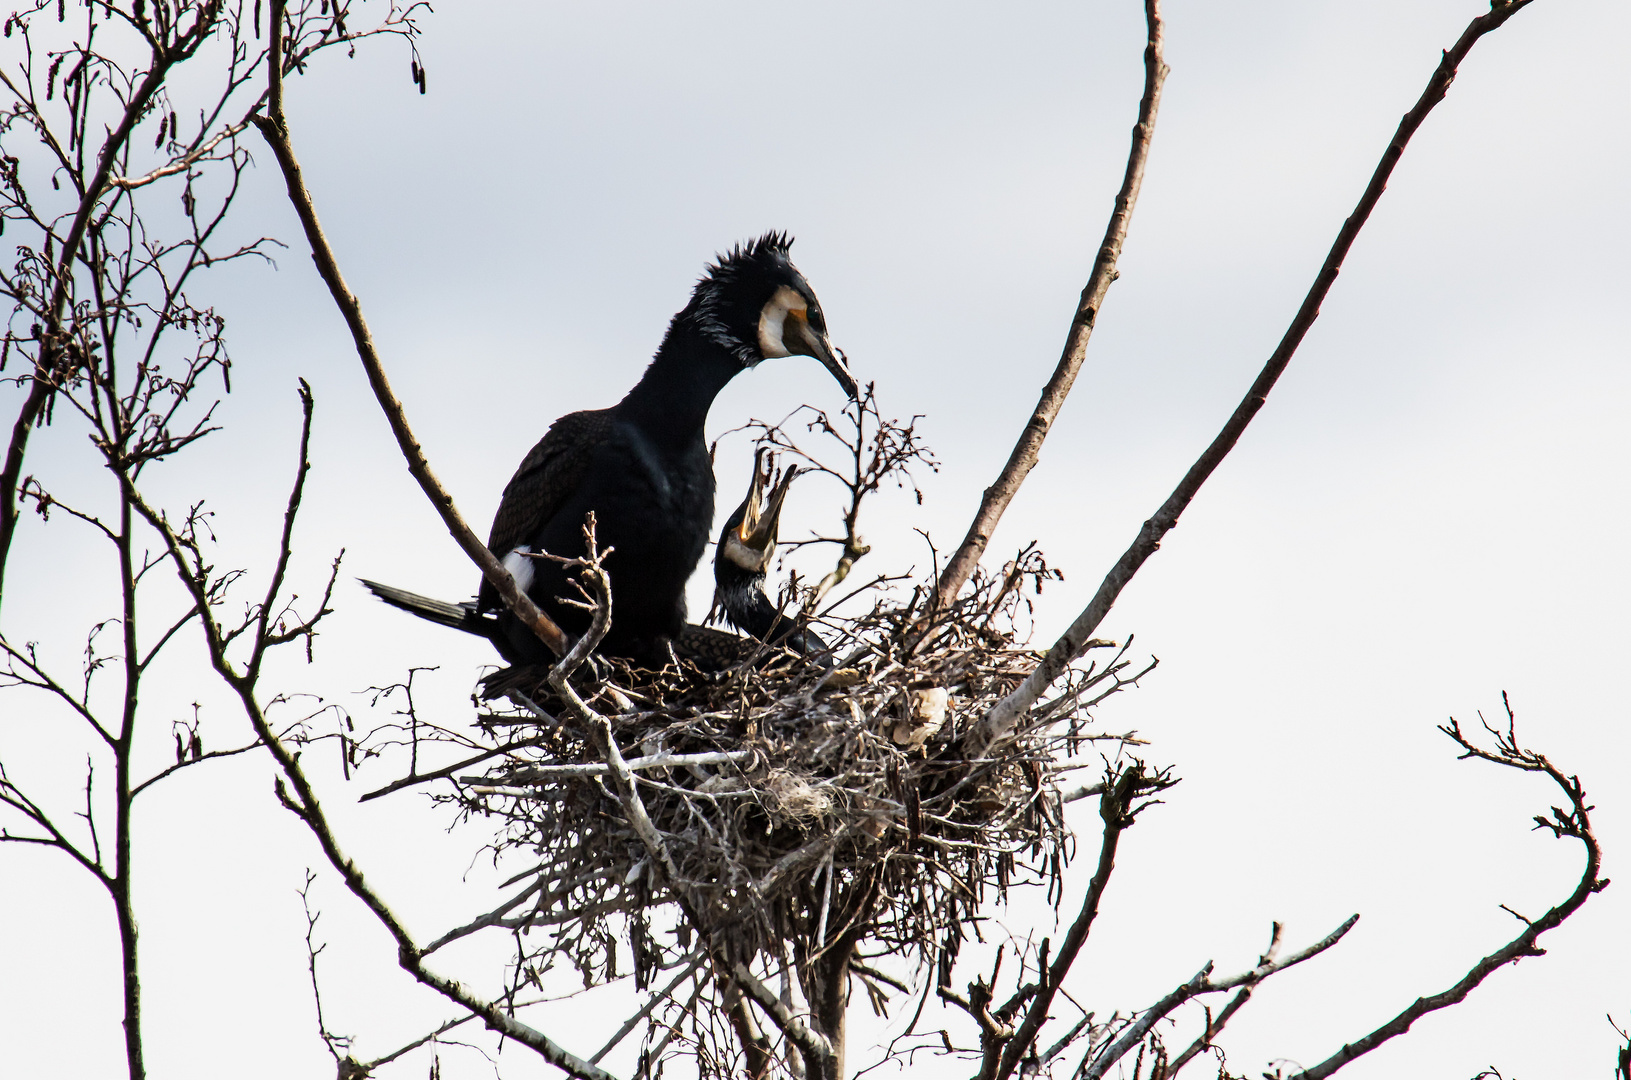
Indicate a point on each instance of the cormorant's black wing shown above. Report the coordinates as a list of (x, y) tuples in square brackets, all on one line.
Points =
[(547, 477), (712, 649), (545, 480)]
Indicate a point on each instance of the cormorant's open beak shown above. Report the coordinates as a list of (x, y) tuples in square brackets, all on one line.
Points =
[(762, 517), (759, 524), (812, 342)]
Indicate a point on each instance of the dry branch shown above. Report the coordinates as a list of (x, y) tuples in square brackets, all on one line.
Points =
[(1001, 721), (1216, 1024), (275, 128), (1119, 808), (1203, 983), (1573, 822), (656, 999), (1024, 455), (547, 774)]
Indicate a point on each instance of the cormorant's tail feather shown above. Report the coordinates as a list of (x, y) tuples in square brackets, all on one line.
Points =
[(459, 616)]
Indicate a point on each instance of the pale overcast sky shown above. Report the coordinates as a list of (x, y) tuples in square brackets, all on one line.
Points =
[(1432, 509)]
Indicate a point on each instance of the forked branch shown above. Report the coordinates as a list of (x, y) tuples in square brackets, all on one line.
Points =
[(1573, 822), (1202, 983), (1003, 718)]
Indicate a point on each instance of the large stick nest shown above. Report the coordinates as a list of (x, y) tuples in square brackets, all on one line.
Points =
[(850, 804), (785, 805)]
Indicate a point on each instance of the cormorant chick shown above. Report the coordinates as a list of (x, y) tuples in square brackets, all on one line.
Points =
[(747, 543)]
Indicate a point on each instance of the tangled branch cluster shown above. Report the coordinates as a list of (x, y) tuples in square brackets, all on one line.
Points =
[(802, 806), (792, 797)]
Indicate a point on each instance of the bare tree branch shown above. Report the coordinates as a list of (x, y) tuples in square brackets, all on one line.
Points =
[(1118, 807), (13, 796), (546, 774), (1203, 983), (1573, 822), (1006, 715), (182, 163), (811, 1043), (208, 755), (1023, 457), (275, 128), (438, 774)]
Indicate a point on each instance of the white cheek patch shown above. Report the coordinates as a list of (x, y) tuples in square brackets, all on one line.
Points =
[(773, 319), (743, 556), (520, 568), (770, 331)]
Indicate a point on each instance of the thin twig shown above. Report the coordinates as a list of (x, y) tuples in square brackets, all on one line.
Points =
[(547, 774), (438, 774)]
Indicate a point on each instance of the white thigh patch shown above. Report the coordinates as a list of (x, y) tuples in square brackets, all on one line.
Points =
[(520, 568)]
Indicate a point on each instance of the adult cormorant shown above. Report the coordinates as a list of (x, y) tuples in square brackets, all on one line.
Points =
[(642, 466), (747, 543)]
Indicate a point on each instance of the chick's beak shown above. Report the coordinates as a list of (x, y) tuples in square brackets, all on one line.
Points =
[(759, 524), (754, 505)]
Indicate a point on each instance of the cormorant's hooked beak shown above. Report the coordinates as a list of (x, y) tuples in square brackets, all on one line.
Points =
[(785, 330), (752, 544), (832, 359)]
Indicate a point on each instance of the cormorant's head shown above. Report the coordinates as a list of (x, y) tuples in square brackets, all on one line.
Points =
[(746, 547), (755, 303), (748, 541)]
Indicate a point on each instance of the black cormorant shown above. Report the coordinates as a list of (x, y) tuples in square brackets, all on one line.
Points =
[(642, 466), (747, 543)]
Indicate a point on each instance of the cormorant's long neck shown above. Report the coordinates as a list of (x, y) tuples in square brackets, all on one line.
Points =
[(672, 398), (750, 610)]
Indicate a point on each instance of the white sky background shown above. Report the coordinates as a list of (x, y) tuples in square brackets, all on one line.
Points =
[(1432, 509)]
